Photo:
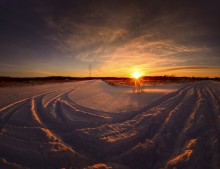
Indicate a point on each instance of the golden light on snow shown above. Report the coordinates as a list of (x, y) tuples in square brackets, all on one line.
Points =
[(136, 75)]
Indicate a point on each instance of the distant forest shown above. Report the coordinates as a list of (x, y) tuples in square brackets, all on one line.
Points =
[(5, 79)]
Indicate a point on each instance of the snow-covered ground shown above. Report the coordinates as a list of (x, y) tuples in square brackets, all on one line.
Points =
[(12, 94), (101, 96), (82, 123), (94, 94)]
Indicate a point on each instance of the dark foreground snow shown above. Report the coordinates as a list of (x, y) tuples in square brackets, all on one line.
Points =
[(54, 127)]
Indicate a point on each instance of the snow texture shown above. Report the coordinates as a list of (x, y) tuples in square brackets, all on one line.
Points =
[(90, 124)]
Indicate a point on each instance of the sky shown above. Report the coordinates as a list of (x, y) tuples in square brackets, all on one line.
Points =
[(115, 37)]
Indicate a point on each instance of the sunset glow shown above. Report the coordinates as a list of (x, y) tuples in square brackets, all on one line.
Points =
[(44, 39), (129, 84), (136, 75)]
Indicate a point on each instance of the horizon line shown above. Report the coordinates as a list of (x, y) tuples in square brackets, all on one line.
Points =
[(174, 76)]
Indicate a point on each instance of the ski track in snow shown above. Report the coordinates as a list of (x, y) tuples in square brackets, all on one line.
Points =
[(177, 129)]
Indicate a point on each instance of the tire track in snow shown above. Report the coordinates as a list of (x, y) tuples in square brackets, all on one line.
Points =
[(119, 131), (177, 133), (210, 114), (160, 105), (167, 124), (34, 112), (11, 110), (13, 104)]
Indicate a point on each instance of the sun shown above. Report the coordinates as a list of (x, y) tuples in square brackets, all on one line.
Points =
[(136, 75)]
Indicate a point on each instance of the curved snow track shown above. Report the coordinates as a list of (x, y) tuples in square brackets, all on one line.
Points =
[(49, 130)]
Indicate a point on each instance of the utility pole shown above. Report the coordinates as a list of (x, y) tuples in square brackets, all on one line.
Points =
[(90, 70)]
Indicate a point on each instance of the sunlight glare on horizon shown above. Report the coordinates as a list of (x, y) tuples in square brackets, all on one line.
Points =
[(136, 75)]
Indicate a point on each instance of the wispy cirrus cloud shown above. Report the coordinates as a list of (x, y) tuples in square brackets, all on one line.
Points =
[(194, 70), (119, 36)]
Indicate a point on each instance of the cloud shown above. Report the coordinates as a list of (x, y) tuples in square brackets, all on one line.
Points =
[(116, 38), (193, 70), (196, 67), (13, 70), (162, 35), (117, 35)]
